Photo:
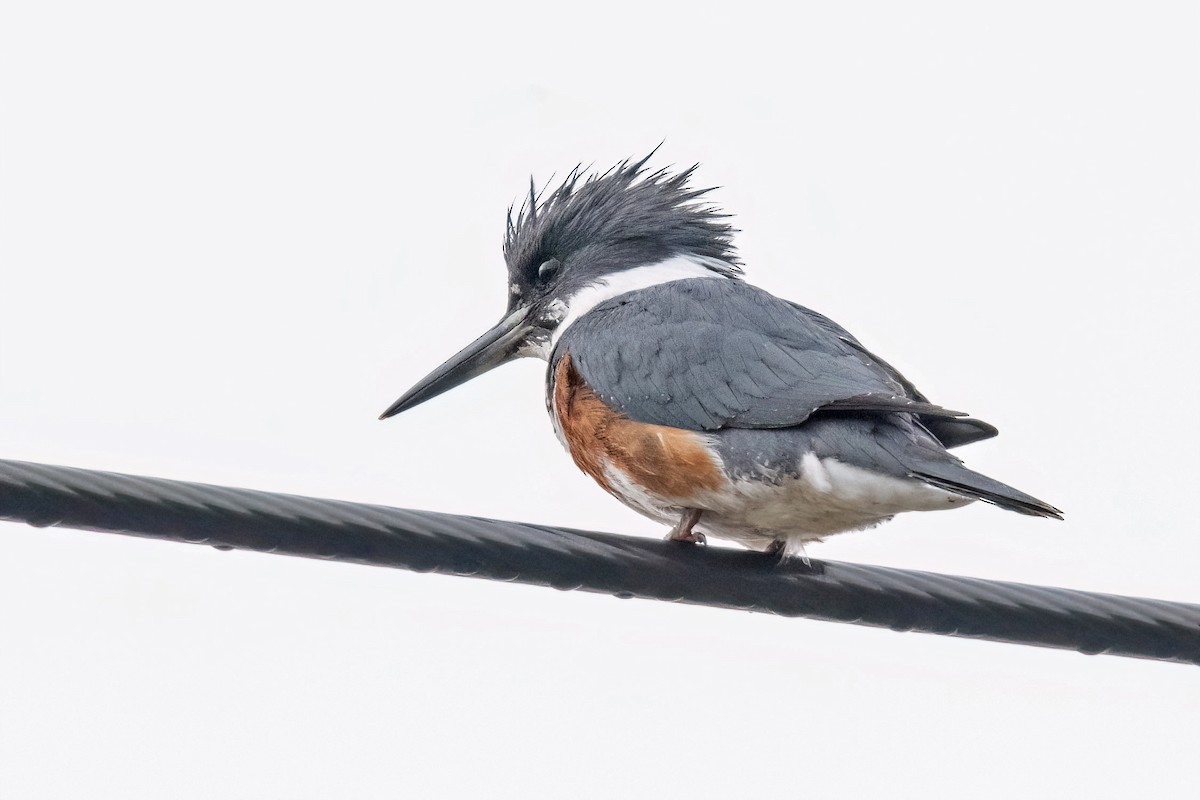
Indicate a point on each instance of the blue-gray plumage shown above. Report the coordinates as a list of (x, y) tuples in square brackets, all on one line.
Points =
[(698, 399), (706, 354)]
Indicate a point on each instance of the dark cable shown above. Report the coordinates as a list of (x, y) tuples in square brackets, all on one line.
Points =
[(624, 566)]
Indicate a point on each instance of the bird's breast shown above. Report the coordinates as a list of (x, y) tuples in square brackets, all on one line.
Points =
[(669, 466)]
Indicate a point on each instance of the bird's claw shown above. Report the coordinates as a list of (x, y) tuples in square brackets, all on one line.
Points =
[(692, 537), (683, 530)]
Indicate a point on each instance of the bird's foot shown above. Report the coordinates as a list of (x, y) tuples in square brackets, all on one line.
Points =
[(784, 550), (682, 532)]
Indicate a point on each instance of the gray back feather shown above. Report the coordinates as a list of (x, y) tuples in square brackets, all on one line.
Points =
[(705, 354)]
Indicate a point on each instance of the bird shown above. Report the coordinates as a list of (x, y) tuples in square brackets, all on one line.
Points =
[(697, 399)]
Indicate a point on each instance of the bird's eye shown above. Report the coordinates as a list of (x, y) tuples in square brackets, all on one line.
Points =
[(548, 268)]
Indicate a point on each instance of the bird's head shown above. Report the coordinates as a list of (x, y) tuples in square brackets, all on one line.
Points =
[(592, 237)]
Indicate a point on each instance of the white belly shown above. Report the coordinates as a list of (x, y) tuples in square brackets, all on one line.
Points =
[(827, 497)]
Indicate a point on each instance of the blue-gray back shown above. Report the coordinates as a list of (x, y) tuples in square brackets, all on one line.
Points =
[(711, 353)]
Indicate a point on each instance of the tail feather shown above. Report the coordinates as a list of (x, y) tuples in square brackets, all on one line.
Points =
[(960, 480), (957, 431)]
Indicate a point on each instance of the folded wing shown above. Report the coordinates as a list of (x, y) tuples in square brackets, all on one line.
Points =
[(706, 354)]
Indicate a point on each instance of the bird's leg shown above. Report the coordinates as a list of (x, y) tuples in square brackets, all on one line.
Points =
[(682, 532)]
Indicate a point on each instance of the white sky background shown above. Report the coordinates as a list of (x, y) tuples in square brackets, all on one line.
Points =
[(231, 235)]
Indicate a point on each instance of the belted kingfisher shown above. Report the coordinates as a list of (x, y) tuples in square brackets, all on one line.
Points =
[(697, 399)]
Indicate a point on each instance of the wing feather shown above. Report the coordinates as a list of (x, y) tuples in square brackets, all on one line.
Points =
[(711, 353)]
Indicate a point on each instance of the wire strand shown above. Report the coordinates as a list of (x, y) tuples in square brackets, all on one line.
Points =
[(624, 566)]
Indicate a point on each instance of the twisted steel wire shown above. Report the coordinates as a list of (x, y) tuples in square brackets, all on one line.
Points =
[(624, 566)]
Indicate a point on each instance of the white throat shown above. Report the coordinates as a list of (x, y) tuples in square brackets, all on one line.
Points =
[(676, 268)]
